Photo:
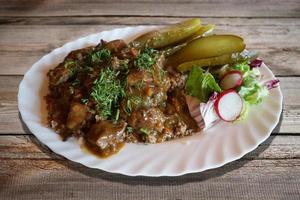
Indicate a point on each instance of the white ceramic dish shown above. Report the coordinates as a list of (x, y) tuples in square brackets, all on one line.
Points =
[(213, 148)]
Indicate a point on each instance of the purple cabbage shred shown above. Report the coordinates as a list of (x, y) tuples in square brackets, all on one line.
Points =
[(272, 84), (256, 63), (213, 96)]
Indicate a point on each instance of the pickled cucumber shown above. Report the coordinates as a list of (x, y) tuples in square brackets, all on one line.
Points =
[(203, 31), (207, 47), (169, 35), (206, 62)]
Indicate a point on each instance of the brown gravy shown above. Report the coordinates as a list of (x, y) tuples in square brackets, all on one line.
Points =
[(95, 150)]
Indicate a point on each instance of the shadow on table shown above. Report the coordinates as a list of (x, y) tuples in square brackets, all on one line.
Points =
[(141, 180)]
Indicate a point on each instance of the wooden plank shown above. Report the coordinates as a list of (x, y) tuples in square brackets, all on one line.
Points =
[(243, 179), (217, 8), (22, 45), (28, 147), (29, 171), (10, 121), (144, 20)]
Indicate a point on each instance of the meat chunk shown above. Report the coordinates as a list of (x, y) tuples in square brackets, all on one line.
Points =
[(149, 122), (146, 88), (177, 104), (136, 76), (151, 119), (65, 70), (106, 134), (116, 46), (59, 75), (77, 116), (154, 126)]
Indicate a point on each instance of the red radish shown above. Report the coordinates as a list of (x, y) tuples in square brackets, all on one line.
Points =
[(229, 105), (231, 79)]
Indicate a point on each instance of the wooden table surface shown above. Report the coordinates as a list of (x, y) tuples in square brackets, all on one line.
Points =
[(30, 29)]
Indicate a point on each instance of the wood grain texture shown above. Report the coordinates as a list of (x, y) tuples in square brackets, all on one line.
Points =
[(242, 179), (217, 8), (28, 147), (24, 41), (30, 29), (269, 172)]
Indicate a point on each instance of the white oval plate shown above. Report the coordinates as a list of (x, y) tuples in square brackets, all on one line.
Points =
[(213, 148)]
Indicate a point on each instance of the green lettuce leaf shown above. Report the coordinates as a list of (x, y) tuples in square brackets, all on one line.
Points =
[(251, 90), (201, 84), (243, 67)]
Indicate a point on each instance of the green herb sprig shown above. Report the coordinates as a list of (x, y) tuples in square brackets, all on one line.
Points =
[(146, 59), (107, 92), (101, 56), (133, 100), (146, 131)]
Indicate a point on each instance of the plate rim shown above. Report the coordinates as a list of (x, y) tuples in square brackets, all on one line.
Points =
[(144, 28)]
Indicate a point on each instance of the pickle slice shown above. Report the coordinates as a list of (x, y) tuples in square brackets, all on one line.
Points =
[(207, 47), (207, 62), (202, 32), (169, 35)]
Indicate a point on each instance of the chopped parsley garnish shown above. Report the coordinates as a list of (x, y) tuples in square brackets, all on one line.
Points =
[(129, 129), (124, 64), (71, 88), (136, 100), (69, 63), (72, 67), (128, 108), (75, 82), (107, 92), (162, 74), (146, 59), (84, 101), (151, 52), (140, 85), (145, 131), (101, 56), (132, 100), (117, 115)]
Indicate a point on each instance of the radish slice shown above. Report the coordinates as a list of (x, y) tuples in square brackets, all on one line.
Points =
[(231, 79), (229, 105)]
